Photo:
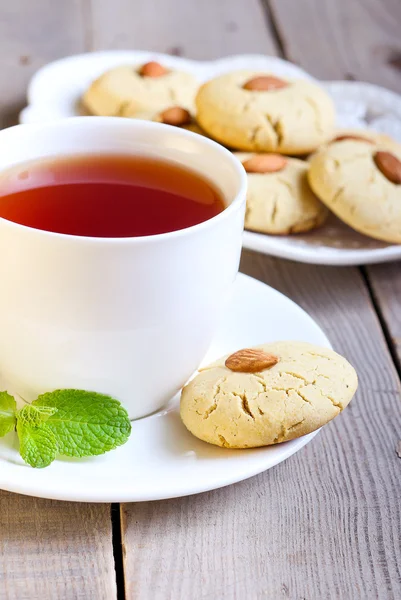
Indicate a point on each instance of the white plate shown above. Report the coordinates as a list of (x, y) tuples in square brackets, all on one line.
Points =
[(55, 90), (359, 105), (334, 244), (162, 459)]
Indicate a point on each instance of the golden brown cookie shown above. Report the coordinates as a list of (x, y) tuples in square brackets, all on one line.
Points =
[(360, 182), (368, 135), (279, 198), (267, 394), (176, 116), (127, 91), (247, 110)]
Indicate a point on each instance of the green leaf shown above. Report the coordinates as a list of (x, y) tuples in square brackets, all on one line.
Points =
[(35, 415), (8, 409), (38, 444), (86, 423)]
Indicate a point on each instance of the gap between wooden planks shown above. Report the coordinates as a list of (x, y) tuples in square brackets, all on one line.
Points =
[(325, 523), (49, 550), (351, 40)]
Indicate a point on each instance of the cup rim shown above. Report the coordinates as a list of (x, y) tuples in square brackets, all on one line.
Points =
[(235, 204)]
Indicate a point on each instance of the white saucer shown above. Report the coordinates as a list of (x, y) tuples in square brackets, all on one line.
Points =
[(55, 90), (162, 459)]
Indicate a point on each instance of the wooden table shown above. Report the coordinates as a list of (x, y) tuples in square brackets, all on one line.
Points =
[(324, 524)]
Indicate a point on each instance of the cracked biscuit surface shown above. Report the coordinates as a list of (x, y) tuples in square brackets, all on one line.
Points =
[(124, 92), (295, 119), (345, 176), (282, 202), (308, 387)]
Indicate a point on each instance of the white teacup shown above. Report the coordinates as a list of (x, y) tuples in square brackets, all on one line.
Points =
[(129, 317)]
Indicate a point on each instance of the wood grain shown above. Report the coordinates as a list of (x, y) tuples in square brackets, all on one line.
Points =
[(386, 286), (358, 39), (32, 34), (324, 524), (201, 30), (51, 550), (48, 549)]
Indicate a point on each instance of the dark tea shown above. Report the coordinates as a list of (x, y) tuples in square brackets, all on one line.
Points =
[(106, 196)]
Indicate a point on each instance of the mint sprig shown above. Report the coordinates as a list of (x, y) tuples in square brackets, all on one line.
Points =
[(85, 423), (8, 408), (37, 444), (65, 422), (34, 415)]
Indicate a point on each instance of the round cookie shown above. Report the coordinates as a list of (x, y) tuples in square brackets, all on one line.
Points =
[(279, 199), (126, 91), (361, 183), (367, 135), (247, 111), (175, 115), (294, 390)]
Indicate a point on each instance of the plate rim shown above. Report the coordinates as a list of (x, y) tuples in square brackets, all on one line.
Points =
[(135, 55), (252, 241), (291, 447), (37, 85), (294, 446), (263, 243)]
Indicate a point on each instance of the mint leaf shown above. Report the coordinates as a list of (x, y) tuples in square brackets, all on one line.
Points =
[(86, 423), (37, 444), (35, 415), (8, 408)]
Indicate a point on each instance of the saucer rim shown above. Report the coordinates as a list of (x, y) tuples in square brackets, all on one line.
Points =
[(260, 459)]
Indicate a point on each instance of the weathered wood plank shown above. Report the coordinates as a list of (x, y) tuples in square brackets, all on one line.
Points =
[(47, 549), (324, 524), (32, 34), (52, 549), (386, 286), (360, 39), (336, 40), (201, 30)]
